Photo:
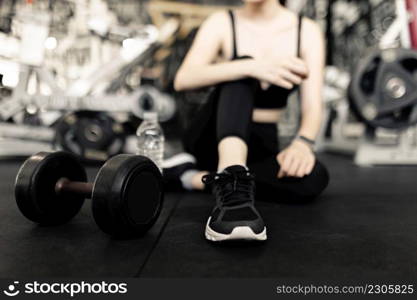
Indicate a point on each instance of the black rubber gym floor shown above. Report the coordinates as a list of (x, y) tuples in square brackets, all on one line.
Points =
[(365, 225)]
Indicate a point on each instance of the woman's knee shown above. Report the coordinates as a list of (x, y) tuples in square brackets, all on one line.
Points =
[(238, 90), (314, 184), (239, 83), (290, 189)]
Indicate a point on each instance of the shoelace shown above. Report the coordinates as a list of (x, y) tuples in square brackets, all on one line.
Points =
[(233, 188)]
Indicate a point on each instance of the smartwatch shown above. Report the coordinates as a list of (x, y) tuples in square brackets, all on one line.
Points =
[(310, 142)]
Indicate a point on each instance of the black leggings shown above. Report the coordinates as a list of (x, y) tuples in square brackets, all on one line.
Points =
[(227, 113)]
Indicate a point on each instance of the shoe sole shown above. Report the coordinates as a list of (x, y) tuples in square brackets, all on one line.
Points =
[(178, 159), (244, 233)]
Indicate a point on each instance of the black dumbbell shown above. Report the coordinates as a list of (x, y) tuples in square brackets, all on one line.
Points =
[(127, 194)]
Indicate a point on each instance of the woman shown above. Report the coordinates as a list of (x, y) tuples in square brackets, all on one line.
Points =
[(255, 56)]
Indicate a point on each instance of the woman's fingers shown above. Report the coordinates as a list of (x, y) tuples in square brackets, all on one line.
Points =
[(302, 169), (281, 173), (310, 167), (292, 77), (286, 163), (275, 79), (294, 162), (284, 83), (286, 74), (265, 85), (296, 167), (305, 168), (292, 170), (284, 160), (280, 160), (297, 66)]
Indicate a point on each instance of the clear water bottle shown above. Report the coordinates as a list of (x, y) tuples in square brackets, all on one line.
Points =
[(151, 139)]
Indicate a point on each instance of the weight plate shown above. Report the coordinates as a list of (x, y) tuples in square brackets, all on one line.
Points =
[(148, 98), (91, 135), (35, 188), (383, 89), (127, 196)]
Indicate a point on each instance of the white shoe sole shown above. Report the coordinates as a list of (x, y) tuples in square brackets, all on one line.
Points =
[(178, 159), (238, 233)]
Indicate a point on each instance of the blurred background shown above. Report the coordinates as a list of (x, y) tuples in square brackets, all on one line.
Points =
[(78, 75)]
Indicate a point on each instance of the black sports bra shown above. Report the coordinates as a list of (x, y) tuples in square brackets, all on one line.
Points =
[(275, 96)]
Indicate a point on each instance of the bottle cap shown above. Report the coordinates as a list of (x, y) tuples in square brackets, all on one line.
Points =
[(150, 116)]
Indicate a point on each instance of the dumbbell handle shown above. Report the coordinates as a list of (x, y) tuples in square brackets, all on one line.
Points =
[(66, 186)]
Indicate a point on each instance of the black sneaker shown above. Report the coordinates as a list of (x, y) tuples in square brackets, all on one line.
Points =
[(234, 217), (174, 167)]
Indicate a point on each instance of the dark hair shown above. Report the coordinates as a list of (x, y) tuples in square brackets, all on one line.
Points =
[(283, 2)]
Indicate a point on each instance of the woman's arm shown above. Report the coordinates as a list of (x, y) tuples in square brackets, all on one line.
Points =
[(198, 68), (298, 160), (313, 53)]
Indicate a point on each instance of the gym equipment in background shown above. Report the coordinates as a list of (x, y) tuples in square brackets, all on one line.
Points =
[(127, 194), (351, 27), (77, 95), (339, 132), (383, 95), (96, 91), (90, 135), (383, 89)]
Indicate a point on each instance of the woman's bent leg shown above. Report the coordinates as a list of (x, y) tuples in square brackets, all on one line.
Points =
[(233, 119), (219, 134)]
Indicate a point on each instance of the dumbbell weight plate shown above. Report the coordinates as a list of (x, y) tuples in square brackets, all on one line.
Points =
[(383, 89), (35, 188), (127, 195), (91, 135)]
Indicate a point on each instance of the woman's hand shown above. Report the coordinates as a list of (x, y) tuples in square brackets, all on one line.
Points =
[(284, 72), (297, 160)]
